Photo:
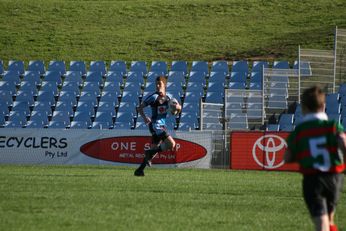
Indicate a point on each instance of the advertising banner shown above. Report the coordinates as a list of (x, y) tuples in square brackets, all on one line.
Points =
[(259, 151), (86, 146)]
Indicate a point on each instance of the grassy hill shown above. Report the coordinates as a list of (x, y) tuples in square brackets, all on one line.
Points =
[(165, 30)]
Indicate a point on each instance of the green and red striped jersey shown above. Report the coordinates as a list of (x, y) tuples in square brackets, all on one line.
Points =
[(314, 145)]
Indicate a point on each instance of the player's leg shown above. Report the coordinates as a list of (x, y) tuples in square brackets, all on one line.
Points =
[(321, 223), (316, 202), (334, 186), (147, 157)]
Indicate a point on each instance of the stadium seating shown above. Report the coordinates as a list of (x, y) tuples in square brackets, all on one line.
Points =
[(78, 66), (37, 66), (101, 96)]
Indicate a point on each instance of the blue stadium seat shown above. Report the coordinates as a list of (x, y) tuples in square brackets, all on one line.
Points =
[(139, 66), (336, 117), (195, 87), (193, 96), (47, 96), (237, 85), (273, 127), (135, 77), (94, 76), (92, 87), (200, 66), (151, 87), (37, 66), (258, 66), (32, 77), (58, 124), (129, 106), (159, 67), (61, 116), (106, 107), (21, 106), (6, 97), (110, 97), (57, 65), (74, 76), (28, 86), (18, 117), (98, 67), (188, 119), (186, 126), (216, 87), (14, 124), (51, 87), (89, 96), (79, 125), (118, 66), (197, 76), (43, 106), (78, 66), (26, 96), (179, 65), (12, 76), (40, 117), (112, 87), (86, 106), (16, 66), (123, 125), (124, 117), (219, 77), (281, 65), (255, 86), (220, 66), (53, 76), (130, 96), (4, 109), (115, 76), (82, 116), (9, 87), (286, 119), (71, 87), (238, 77), (105, 119), (176, 77), (64, 106), (151, 77), (175, 89), (141, 126), (101, 125), (240, 66), (35, 124), (214, 97), (256, 77)]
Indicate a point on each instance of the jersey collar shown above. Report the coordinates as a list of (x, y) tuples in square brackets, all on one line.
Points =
[(315, 116)]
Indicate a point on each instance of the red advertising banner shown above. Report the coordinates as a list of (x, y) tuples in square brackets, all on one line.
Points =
[(259, 151), (130, 149)]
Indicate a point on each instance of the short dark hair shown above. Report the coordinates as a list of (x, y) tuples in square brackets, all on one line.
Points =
[(313, 99), (162, 78)]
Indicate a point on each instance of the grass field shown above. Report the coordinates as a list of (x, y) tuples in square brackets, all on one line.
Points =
[(165, 30), (111, 198)]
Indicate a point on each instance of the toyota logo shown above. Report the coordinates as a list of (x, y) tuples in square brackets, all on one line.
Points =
[(269, 146)]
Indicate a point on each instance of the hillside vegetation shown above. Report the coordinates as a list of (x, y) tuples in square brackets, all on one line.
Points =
[(165, 30)]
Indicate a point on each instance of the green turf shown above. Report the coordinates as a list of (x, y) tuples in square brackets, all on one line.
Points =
[(165, 30), (111, 198)]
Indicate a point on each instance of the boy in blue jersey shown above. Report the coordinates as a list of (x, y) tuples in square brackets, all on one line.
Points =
[(161, 139)]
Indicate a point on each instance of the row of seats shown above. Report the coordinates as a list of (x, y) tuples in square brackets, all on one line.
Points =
[(335, 109), (161, 67)]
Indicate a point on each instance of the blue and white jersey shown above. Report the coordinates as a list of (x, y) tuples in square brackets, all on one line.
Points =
[(158, 110)]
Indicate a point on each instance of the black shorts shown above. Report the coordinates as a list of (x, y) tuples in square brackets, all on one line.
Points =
[(157, 137), (321, 192)]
